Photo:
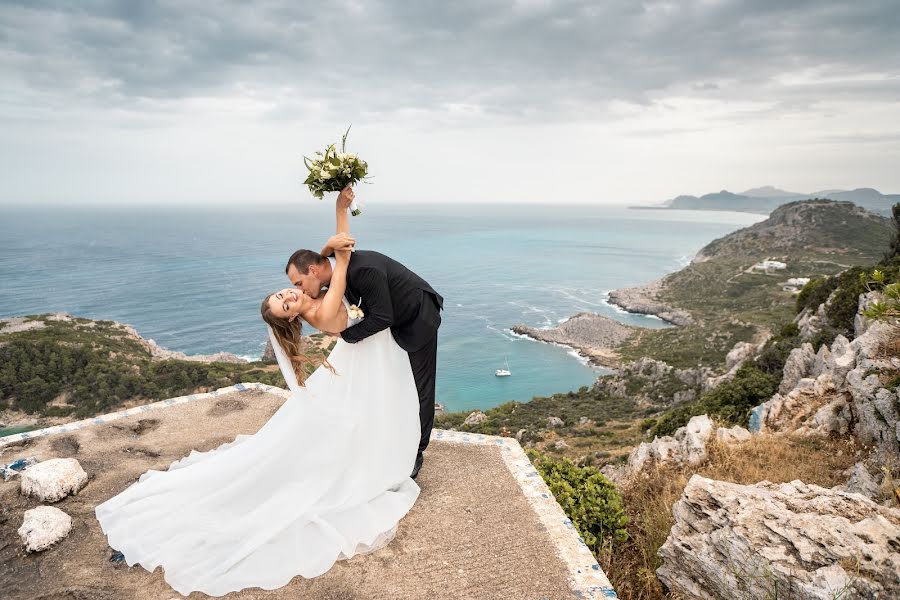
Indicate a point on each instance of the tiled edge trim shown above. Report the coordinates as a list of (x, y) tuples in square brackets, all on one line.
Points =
[(137, 410), (588, 579)]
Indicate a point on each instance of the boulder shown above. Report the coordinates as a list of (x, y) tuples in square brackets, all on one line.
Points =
[(53, 480), (475, 418), (553, 422), (731, 436), (791, 540), (688, 445), (739, 354), (44, 526), (560, 445), (799, 364), (862, 482), (842, 359)]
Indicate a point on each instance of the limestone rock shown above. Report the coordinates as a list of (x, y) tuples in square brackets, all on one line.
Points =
[(519, 434), (739, 354), (842, 359), (268, 355), (44, 526), (799, 364), (767, 540), (860, 323), (687, 445), (554, 422), (560, 445), (475, 418), (862, 482), (813, 407), (54, 479), (733, 435)]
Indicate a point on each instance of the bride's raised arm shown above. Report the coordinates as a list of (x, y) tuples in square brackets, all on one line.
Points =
[(342, 233), (329, 316)]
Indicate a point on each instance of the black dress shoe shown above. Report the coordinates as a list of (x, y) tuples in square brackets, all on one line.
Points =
[(419, 460)]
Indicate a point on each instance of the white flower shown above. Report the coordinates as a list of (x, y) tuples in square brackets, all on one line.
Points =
[(325, 175), (355, 312)]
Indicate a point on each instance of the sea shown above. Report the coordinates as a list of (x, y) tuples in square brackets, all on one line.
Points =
[(192, 278)]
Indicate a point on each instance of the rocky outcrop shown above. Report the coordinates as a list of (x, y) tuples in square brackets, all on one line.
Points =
[(44, 526), (644, 300), (791, 540), (475, 417), (800, 363), (862, 482), (53, 480), (736, 357), (838, 391), (594, 336), (688, 445)]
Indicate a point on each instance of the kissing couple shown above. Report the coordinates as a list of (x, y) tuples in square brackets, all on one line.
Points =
[(332, 472)]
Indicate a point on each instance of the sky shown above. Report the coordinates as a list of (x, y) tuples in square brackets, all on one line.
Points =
[(205, 103)]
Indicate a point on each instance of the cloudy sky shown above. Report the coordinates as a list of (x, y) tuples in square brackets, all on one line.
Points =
[(213, 103)]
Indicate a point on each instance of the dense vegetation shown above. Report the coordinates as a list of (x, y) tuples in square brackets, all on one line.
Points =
[(588, 499), (83, 368)]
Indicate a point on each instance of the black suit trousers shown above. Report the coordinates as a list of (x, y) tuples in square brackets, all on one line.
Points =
[(424, 367)]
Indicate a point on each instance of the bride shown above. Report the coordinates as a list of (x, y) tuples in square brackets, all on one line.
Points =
[(325, 479)]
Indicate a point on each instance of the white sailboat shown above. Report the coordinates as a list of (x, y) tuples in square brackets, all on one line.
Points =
[(504, 372)]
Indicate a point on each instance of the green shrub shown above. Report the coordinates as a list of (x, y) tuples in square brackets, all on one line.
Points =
[(815, 292), (588, 499), (729, 402), (845, 304)]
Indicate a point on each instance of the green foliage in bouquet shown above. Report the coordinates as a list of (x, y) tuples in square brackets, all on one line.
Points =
[(332, 171), (588, 498)]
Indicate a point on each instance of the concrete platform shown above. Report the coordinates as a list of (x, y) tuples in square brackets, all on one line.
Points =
[(485, 525)]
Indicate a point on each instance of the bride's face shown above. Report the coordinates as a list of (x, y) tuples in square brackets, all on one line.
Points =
[(287, 303)]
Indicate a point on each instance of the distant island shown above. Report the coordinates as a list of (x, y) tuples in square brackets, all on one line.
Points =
[(763, 200)]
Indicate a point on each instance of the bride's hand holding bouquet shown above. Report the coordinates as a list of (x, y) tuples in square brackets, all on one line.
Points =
[(332, 171)]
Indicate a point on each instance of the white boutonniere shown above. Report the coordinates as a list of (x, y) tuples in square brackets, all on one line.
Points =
[(356, 312)]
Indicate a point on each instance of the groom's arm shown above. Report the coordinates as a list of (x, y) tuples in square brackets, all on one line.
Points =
[(372, 285)]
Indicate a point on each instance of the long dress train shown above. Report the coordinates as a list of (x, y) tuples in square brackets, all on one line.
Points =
[(326, 478)]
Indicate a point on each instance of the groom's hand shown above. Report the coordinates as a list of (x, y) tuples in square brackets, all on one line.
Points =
[(341, 241)]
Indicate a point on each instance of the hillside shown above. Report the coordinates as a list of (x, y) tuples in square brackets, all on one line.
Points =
[(54, 366), (730, 301), (765, 199)]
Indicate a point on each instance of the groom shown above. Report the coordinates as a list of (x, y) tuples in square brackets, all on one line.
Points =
[(391, 296)]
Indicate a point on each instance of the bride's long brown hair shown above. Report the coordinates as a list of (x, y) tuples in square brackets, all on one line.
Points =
[(288, 334)]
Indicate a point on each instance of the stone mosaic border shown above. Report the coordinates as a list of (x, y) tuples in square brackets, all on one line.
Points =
[(587, 579)]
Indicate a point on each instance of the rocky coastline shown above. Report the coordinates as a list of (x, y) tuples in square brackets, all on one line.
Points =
[(643, 299), (593, 336)]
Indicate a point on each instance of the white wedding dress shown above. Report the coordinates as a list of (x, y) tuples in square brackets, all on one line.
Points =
[(326, 478)]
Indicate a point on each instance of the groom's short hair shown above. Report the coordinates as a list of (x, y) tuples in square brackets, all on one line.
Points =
[(303, 260)]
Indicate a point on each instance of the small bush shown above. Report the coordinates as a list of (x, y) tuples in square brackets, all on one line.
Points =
[(588, 499), (730, 402), (815, 292)]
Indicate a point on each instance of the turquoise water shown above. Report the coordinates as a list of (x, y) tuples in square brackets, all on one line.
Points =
[(192, 280)]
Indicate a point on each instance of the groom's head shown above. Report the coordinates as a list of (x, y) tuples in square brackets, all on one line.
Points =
[(308, 271)]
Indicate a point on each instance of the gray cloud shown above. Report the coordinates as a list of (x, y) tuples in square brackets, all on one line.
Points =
[(519, 59)]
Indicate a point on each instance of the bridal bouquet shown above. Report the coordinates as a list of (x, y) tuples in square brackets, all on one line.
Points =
[(332, 171)]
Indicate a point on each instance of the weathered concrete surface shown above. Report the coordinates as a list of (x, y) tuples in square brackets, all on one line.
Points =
[(471, 534)]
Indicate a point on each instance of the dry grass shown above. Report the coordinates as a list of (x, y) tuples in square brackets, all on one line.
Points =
[(649, 499)]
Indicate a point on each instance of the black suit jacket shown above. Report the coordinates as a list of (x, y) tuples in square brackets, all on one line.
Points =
[(390, 295)]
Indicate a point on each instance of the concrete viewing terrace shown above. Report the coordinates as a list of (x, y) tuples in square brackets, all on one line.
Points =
[(484, 527)]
